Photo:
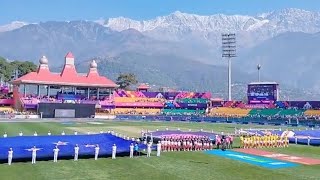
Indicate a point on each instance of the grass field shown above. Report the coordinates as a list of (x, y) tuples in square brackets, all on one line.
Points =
[(171, 165)]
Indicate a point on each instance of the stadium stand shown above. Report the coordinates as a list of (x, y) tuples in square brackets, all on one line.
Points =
[(192, 100), (182, 112), (264, 112), (291, 112), (276, 112), (135, 111), (225, 111), (312, 112)]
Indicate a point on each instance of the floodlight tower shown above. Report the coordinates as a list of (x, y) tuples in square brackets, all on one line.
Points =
[(258, 68), (229, 51)]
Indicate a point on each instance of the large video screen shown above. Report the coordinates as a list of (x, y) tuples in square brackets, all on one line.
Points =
[(64, 113), (262, 93)]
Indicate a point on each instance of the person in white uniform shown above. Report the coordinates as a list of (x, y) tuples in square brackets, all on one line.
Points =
[(20, 133), (114, 151), (5, 135), (55, 154), (149, 149), (131, 150), (10, 156), (49, 133), (75, 133), (158, 148), (35, 134), (63, 133), (76, 152), (96, 152), (34, 155)]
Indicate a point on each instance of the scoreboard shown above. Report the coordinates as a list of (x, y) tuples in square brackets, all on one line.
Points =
[(262, 92)]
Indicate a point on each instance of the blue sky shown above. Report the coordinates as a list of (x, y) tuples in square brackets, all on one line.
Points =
[(61, 10)]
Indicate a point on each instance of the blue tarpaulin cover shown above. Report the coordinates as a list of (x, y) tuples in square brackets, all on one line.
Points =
[(22, 145)]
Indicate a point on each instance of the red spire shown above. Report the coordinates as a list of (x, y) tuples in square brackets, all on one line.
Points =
[(69, 55)]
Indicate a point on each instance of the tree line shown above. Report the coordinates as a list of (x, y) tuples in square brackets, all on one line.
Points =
[(9, 69)]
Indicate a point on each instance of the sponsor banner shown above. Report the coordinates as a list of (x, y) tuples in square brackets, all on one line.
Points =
[(138, 104), (193, 105), (104, 117), (26, 116), (253, 160)]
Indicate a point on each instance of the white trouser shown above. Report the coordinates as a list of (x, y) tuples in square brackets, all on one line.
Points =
[(9, 160), (158, 153), (55, 158), (33, 159), (148, 153), (131, 154), (96, 156), (76, 156), (113, 155)]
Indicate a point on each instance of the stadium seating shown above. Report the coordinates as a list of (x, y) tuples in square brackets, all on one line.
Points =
[(136, 99), (225, 111), (264, 112), (192, 100), (6, 109), (276, 112), (312, 113), (291, 112), (142, 111), (182, 112)]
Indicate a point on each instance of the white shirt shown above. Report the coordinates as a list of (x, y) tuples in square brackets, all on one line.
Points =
[(158, 146), (5, 135), (63, 133), (10, 153), (34, 152), (56, 150), (76, 150), (75, 133), (49, 133), (101, 132), (35, 134), (20, 134), (114, 148), (131, 148), (149, 146), (97, 150)]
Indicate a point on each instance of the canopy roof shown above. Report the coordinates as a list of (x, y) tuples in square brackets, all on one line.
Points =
[(68, 76)]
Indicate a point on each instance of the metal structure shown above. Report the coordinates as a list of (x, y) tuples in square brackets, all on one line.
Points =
[(258, 68), (229, 52)]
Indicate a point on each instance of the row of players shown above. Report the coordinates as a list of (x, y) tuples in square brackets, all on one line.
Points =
[(193, 143), (133, 149), (268, 141)]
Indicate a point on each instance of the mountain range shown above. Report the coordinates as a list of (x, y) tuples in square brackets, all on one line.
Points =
[(182, 50)]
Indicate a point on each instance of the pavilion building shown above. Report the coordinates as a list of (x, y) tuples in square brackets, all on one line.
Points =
[(71, 86)]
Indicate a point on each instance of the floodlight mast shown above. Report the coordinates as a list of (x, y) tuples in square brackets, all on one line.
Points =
[(229, 52)]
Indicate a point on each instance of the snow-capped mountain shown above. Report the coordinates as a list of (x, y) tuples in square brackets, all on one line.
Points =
[(12, 26), (274, 39), (180, 26)]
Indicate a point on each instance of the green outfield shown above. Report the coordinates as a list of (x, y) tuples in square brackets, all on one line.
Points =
[(171, 165)]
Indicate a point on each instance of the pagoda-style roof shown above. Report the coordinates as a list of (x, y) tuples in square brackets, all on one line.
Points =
[(68, 76)]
